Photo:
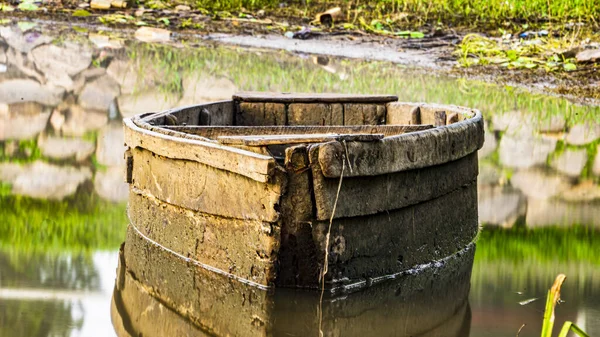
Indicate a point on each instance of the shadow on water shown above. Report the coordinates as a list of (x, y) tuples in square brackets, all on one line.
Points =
[(62, 99)]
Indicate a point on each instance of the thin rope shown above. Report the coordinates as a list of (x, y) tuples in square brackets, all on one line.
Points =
[(326, 261)]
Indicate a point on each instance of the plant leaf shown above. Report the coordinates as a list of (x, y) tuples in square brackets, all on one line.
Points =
[(81, 13), (570, 66), (28, 6)]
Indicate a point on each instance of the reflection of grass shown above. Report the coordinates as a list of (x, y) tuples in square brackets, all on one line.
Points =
[(32, 225), (545, 245), (276, 71)]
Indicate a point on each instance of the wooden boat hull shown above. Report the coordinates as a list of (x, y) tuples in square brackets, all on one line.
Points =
[(209, 184)]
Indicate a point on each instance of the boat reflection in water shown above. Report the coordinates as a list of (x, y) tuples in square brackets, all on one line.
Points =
[(158, 293)]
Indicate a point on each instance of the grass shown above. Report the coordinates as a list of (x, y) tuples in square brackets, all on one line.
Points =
[(551, 300), (422, 11)]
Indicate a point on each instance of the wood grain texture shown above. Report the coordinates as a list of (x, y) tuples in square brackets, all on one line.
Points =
[(311, 98)]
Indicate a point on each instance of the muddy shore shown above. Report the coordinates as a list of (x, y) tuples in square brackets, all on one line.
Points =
[(433, 52)]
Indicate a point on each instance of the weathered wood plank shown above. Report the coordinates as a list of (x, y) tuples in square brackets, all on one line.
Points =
[(297, 258), (391, 242), (216, 113), (439, 118), (374, 194), (202, 295), (207, 189), (264, 140), (250, 96), (260, 113), (453, 118), (215, 131), (249, 164), (364, 114), (245, 248), (404, 152), (315, 114)]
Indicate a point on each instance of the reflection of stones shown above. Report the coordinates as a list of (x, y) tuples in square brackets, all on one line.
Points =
[(488, 174), (489, 145), (538, 184), (110, 184), (200, 87), (22, 120), (22, 63), (99, 94), (22, 90), (432, 301), (2, 56), (517, 122), (47, 181), (65, 148), (500, 206), (561, 213), (585, 191), (60, 63), (525, 151), (570, 162), (130, 80), (22, 42), (582, 134), (147, 101), (76, 121), (596, 166), (111, 145)]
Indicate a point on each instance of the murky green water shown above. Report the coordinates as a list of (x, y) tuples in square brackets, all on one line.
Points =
[(62, 197)]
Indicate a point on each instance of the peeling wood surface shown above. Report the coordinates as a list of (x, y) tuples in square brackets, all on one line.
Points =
[(206, 189), (256, 166), (404, 152), (245, 248), (215, 131), (391, 242), (387, 192), (264, 140), (311, 98)]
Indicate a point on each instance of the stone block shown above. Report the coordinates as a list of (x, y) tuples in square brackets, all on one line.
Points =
[(570, 162)]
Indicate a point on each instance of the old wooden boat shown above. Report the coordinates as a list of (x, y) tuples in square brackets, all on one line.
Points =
[(275, 189)]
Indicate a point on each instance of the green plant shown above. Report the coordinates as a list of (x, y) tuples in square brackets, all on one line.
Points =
[(551, 301)]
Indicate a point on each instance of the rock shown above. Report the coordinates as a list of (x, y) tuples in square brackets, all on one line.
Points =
[(146, 101), (538, 184), (489, 145), (525, 151), (65, 148), (88, 75), (21, 90), (110, 147), (129, 79), (500, 206), (584, 192), (151, 34), (110, 184), (570, 162), (100, 4), (582, 134), (76, 121), (99, 94), (47, 181), (60, 63), (201, 87), (182, 8), (22, 120), (588, 55), (118, 4), (103, 41), (22, 42), (560, 213)]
